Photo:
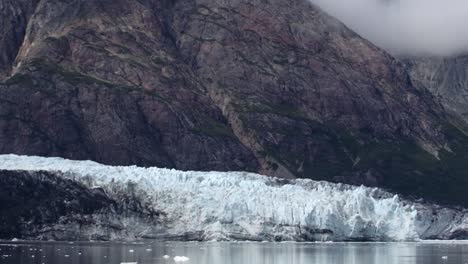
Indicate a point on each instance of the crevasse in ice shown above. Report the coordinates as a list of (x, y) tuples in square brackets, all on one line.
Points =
[(250, 206), (239, 205)]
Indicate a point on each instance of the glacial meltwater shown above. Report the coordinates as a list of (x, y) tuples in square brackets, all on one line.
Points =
[(233, 253)]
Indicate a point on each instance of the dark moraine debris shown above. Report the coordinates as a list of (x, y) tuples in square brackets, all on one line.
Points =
[(43, 205)]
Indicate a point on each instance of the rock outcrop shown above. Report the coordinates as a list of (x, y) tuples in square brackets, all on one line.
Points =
[(446, 78), (47, 206), (15, 15), (276, 87)]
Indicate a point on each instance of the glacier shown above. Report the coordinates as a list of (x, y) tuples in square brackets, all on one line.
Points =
[(247, 206)]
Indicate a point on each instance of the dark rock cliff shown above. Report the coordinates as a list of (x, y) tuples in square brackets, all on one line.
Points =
[(276, 87), (14, 19), (46, 206)]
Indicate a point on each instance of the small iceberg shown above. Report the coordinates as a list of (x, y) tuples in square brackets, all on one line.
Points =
[(181, 259)]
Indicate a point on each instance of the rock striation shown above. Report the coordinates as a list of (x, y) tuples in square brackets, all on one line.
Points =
[(276, 87)]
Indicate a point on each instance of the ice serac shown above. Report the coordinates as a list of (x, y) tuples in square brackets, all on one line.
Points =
[(275, 87), (246, 206)]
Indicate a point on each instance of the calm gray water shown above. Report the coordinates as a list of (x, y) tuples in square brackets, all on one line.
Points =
[(234, 253)]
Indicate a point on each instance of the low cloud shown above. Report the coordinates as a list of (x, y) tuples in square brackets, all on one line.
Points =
[(406, 27)]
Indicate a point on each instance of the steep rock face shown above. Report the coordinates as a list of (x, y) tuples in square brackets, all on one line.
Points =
[(446, 78), (54, 112), (294, 82), (273, 86), (14, 19), (102, 82)]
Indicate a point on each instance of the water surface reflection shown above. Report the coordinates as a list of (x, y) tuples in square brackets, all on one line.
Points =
[(234, 253)]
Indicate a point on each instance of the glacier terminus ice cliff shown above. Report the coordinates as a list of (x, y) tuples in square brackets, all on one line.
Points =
[(153, 203)]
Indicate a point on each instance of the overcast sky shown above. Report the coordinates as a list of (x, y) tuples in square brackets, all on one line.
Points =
[(408, 27)]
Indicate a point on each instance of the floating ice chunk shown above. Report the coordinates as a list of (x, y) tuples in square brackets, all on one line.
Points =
[(131, 250), (128, 262), (181, 259), (166, 257), (444, 257), (148, 249)]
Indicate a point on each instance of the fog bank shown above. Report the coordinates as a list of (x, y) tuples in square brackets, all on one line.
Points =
[(406, 27)]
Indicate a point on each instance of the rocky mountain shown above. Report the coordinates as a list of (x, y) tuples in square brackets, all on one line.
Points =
[(13, 23), (276, 87), (446, 78)]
